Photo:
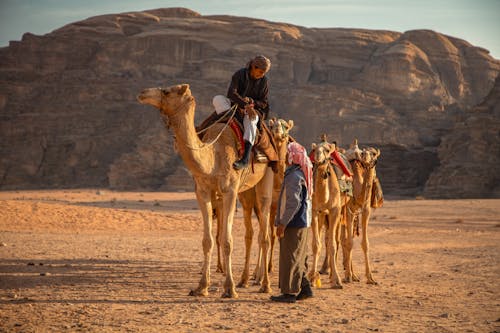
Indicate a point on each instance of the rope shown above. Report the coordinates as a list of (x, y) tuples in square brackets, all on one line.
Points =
[(205, 145)]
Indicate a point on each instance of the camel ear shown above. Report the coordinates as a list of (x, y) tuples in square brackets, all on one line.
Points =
[(290, 124), (378, 153), (313, 146), (183, 88), (271, 122)]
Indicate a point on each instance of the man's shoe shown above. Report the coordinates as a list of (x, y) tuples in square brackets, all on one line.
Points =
[(284, 298), (305, 293), (241, 164)]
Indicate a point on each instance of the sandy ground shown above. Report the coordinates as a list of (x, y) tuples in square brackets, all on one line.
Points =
[(100, 261)]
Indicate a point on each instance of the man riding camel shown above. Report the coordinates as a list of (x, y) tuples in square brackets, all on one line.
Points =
[(249, 91)]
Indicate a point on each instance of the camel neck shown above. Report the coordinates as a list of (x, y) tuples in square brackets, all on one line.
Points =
[(197, 156), (364, 179)]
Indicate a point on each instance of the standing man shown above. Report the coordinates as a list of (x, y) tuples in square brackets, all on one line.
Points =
[(292, 222)]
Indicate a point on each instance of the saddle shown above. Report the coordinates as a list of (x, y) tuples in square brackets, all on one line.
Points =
[(343, 171), (377, 199), (264, 149)]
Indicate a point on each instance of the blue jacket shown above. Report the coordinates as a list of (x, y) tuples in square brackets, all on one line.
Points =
[(294, 208)]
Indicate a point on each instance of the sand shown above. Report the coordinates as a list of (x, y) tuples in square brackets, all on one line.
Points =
[(101, 261)]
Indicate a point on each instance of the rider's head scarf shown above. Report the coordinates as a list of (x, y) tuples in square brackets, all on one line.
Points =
[(261, 62)]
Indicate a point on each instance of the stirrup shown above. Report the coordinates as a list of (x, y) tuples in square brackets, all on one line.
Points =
[(238, 165)]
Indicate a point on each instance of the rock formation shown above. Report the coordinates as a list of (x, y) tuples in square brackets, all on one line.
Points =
[(470, 154), (68, 115)]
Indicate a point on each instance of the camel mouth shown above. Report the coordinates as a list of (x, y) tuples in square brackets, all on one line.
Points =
[(140, 98)]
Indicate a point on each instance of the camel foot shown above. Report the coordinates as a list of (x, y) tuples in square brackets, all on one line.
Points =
[(257, 282), (265, 289), (231, 293), (372, 281), (324, 272), (219, 270), (243, 284), (347, 279), (337, 286), (199, 292), (315, 279)]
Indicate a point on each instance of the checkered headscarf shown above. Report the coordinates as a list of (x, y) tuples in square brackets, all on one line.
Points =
[(297, 154)]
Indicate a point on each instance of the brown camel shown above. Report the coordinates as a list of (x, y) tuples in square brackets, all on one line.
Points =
[(363, 163), (327, 202), (280, 130), (210, 163)]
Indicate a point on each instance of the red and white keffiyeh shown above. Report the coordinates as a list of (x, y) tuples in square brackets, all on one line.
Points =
[(297, 154)]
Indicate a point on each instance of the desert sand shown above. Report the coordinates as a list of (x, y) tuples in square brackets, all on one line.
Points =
[(100, 261)]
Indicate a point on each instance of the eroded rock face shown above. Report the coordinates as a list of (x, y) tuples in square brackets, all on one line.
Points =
[(470, 154), (69, 118)]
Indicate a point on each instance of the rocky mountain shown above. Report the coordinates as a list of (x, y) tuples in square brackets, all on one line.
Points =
[(69, 118)]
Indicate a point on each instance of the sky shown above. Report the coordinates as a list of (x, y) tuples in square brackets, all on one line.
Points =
[(476, 21)]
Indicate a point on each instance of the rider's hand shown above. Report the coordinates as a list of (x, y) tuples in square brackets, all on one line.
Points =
[(280, 230)]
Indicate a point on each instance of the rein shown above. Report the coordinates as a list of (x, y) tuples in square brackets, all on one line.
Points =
[(167, 120)]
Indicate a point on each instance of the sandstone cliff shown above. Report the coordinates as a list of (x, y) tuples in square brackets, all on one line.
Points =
[(68, 115)]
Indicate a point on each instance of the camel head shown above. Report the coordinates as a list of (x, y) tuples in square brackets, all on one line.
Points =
[(322, 152), (369, 156), (167, 100), (353, 153), (280, 128)]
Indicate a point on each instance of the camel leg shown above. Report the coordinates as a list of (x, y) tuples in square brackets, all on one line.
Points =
[(258, 275), (332, 247), (264, 195), (205, 205), (365, 244), (325, 268), (343, 237), (356, 218), (272, 234), (316, 248), (348, 244), (247, 199), (229, 206), (218, 239)]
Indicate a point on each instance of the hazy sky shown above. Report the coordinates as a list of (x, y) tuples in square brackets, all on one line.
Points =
[(477, 21)]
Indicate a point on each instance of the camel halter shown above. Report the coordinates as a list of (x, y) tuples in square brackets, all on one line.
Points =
[(203, 145)]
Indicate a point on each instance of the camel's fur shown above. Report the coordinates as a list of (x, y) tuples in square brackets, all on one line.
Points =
[(280, 130), (327, 202), (210, 163), (360, 207)]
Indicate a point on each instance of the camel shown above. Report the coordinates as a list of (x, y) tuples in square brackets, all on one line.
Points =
[(327, 202), (280, 130), (363, 164), (263, 206), (210, 163)]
